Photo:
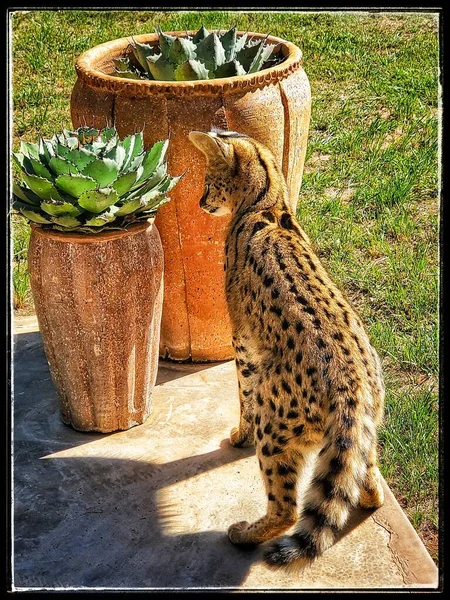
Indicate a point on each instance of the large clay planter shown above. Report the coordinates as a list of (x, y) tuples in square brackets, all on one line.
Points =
[(273, 106), (98, 301)]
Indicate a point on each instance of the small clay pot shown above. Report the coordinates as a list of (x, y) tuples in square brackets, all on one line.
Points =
[(98, 300)]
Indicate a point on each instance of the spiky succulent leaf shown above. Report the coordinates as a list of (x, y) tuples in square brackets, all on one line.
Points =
[(125, 182), (41, 187), (228, 41), (67, 221), (29, 149), (165, 42), (129, 207), (75, 185), (60, 208), (141, 51), (210, 51), (263, 54), (153, 159), (122, 64), (200, 35), (230, 69), (181, 50), (80, 157), (191, 70), (133, 146), (247, 55), (96, 201), (107, 216), (161, 69), (34, 215), (26, 195), (39, 169), (103, 170), (61, 166)]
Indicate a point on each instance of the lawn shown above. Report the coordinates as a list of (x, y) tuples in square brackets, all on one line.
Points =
[(369, 198)]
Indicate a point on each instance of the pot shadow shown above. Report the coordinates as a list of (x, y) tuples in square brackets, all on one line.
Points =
[(96, 521)]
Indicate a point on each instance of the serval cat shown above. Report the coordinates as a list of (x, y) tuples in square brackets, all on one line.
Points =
[(309, 379)]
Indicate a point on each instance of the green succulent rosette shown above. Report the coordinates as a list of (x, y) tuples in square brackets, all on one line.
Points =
[(205, 55), (89, 180)]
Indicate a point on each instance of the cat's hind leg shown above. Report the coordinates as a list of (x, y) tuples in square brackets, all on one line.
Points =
[(372, 494)]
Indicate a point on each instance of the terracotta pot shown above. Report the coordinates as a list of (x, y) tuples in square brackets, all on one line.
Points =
[(273, 106), (98, 301)]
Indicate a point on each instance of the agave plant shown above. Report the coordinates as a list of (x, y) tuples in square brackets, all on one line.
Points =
[(88, 180), (206, 55)]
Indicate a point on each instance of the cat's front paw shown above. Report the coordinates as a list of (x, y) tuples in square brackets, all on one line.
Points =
[(239, 439)]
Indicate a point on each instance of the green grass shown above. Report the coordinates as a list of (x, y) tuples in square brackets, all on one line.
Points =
[(369, 198)]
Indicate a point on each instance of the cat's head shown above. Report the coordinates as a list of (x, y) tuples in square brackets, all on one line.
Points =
[(233, 170)]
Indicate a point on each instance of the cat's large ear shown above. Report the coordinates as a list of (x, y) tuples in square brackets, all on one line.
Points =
[(213, 147)]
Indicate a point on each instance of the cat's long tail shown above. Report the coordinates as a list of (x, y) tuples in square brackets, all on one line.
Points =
[(345, 474)]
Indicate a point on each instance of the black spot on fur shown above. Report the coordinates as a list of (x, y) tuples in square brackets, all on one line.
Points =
[(286, 387), (282, 440), (311, 370), (268, 428), (271, 497), (299, 357), (293, 403), (310, 310), (343, 442), (257, 419), (269, 472), (292, 414), (276, 310), (259, 434), (348, 421), (275, 293), (275, 391), (312, 399), (298, 430), (259, 400), (327, 357), (269, 216), (288, 485), (283, 427), (338, 336), (285, 324), (265, 450), (320, 343), (301, 300), (336, 465), (277, 450), (351, 402), (272, 405), (267, 281), (258, 226), (281, 412), (291, 343), (299, 327), (298, 379), (285, 470)]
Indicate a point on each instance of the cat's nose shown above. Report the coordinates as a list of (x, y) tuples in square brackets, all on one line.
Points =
[(205, 195)]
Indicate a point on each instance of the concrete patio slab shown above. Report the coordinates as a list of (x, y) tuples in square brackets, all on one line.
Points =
[(149, 508)]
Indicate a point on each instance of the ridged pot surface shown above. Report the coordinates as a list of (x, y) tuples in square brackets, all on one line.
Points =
[(273, 106), (98, 301)]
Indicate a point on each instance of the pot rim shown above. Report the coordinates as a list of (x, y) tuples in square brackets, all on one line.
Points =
[(89, 65), (91, 238)]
